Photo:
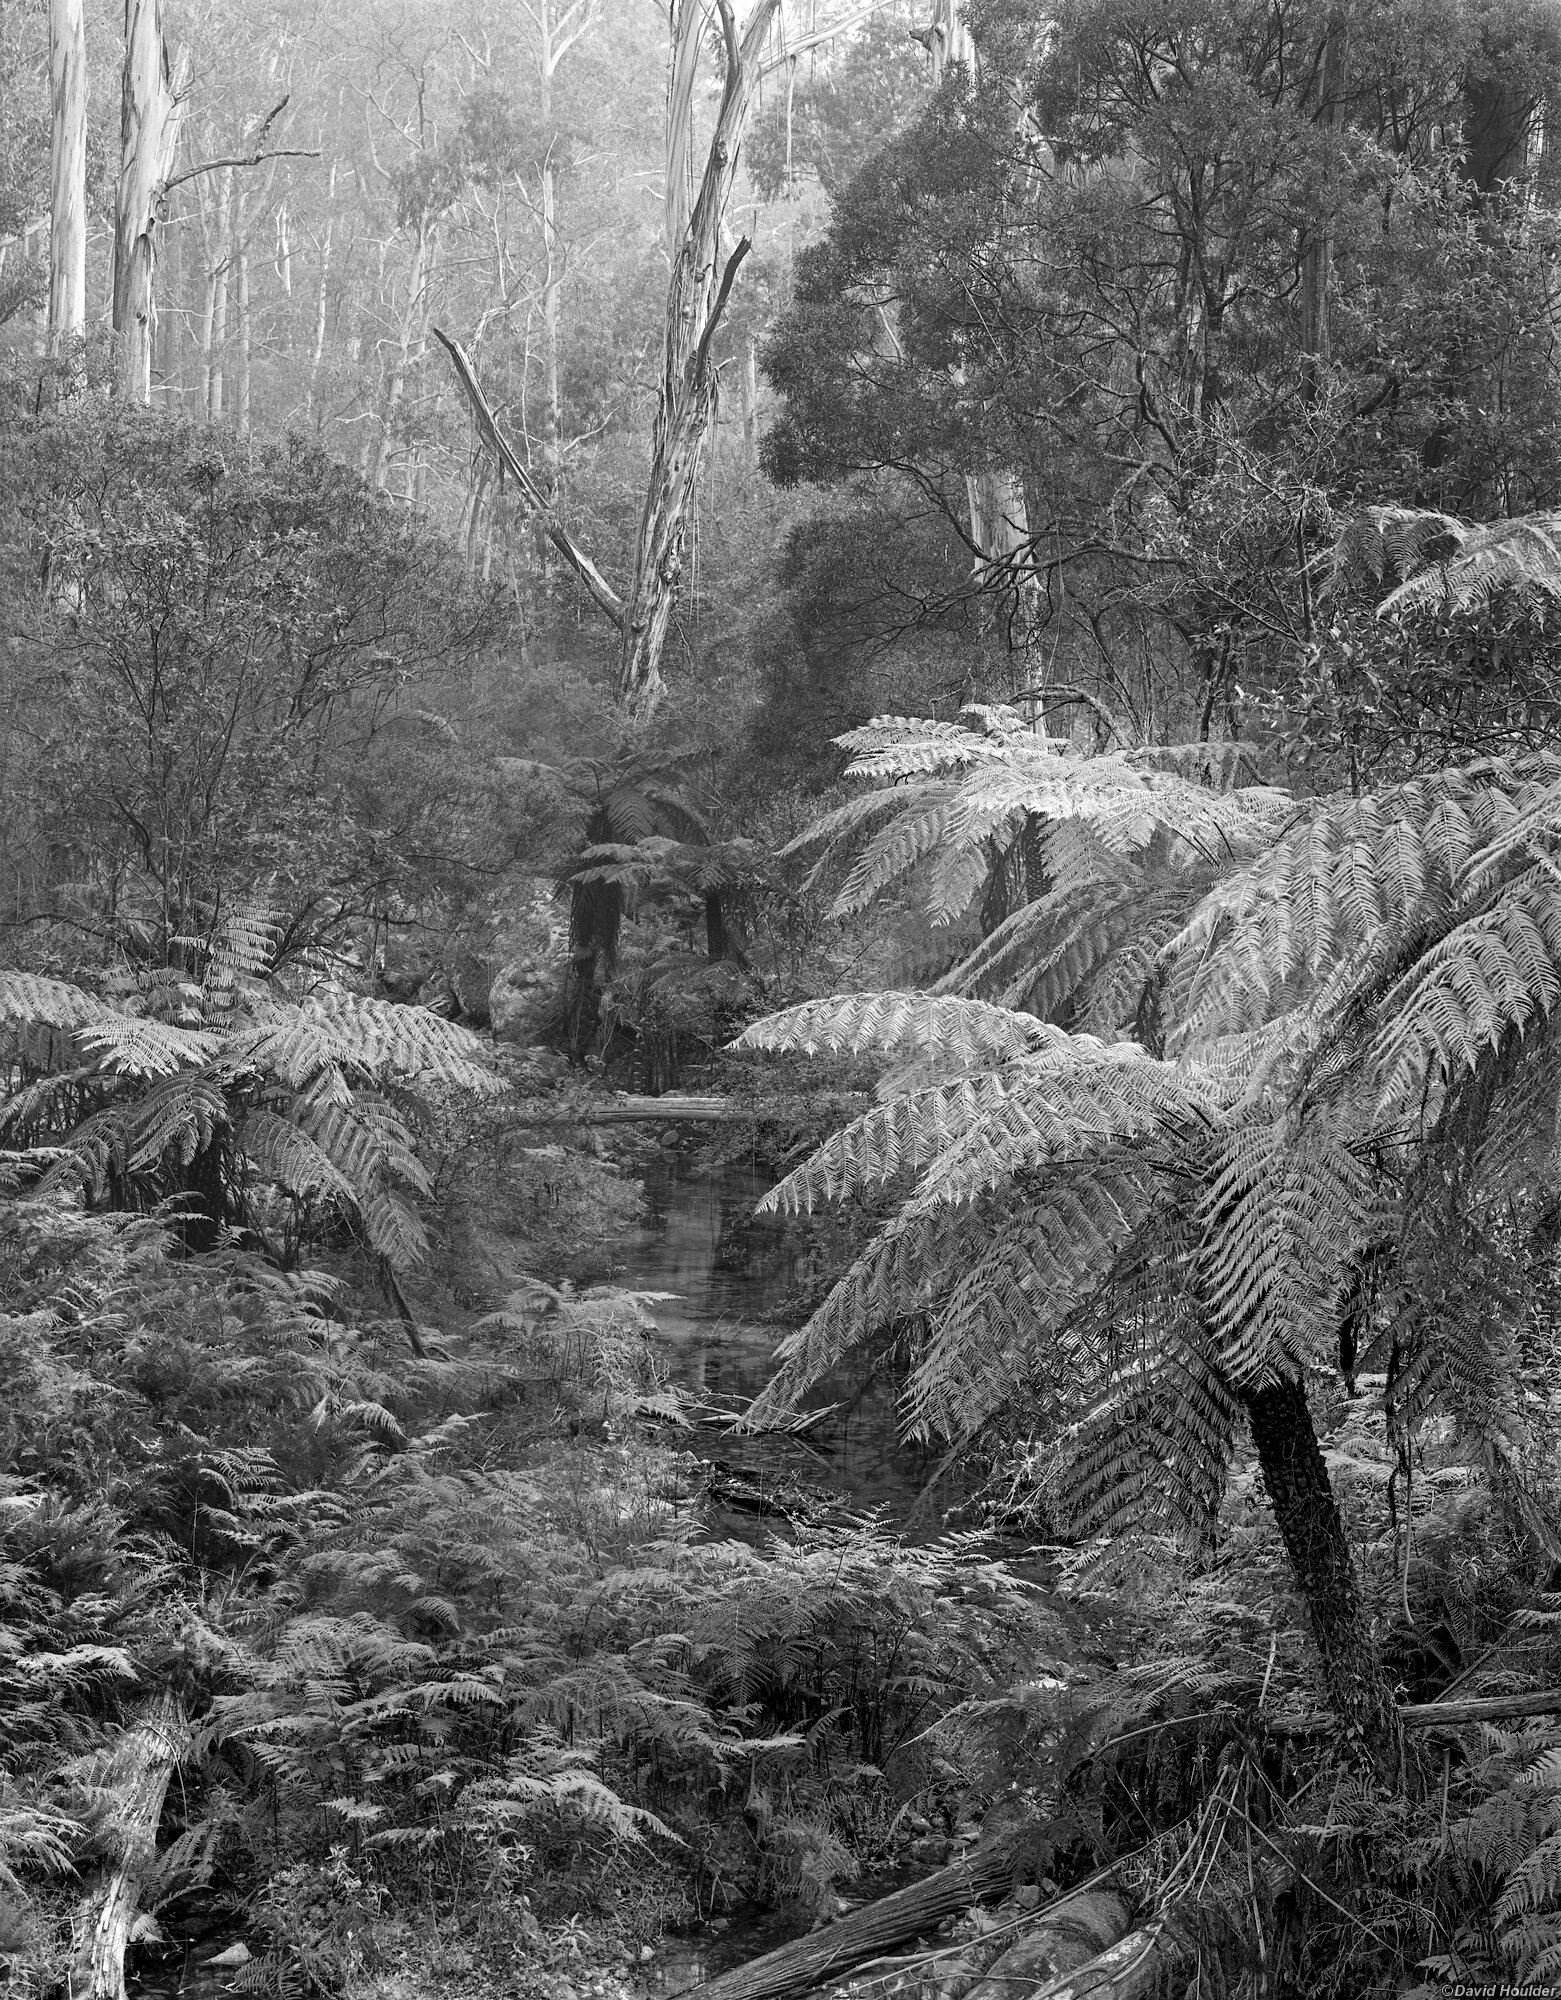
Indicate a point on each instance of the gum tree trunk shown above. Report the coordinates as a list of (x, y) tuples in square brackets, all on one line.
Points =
[(151, 107), (1318, 269), (700, 284), (67, 175), (321, 299), (1312, 1530)]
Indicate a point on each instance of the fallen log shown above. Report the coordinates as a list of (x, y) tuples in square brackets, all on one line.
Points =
[(671, 1110), (1126, 1970), (983, 1875), (1431, 1714), (1073, 1932), (136, 1772)]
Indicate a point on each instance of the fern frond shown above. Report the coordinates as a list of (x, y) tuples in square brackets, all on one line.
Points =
[(1385, 542), (128, 1046), (1488, 976), (282, 1152), (387, 1040), (960, 1033), (1522, 556), (903, 746), (1285, 1215), (29, 1000)]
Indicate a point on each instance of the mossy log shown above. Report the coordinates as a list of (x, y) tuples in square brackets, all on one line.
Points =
[(135, 1773)]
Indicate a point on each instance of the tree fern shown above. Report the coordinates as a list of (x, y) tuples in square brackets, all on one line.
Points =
[(285, 1092), (1357, 997)]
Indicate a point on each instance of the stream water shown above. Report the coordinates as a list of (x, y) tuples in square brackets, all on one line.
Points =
[(736, 1280)]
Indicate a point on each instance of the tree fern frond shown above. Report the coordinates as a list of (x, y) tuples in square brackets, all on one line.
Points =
[(129, 1046), (389, 1040), (1067, 1106), (29, 1000), (281, 1151), (1521, 555), (903, 746), (999, 1318), (1384, 542), (1490, 975), (897, 1137), (895, 1277), (917, 830), (178, 1117), (961, 1033), (831, 828), (1221, 766), (1284, 1214), (242, 947), (365, 1142)]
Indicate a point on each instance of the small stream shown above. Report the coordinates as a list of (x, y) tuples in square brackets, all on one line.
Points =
[(737, 1280)]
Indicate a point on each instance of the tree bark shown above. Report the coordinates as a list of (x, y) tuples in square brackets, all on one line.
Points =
[(696, 297), (1072, 1933), (151, 108), (137, 1774), (1313, 1534), (1317, 274), (241, 300), (1000, 534), (395, 388), (67, 175), (218, 282), (948, 38), (317, 349), (877, 1927)]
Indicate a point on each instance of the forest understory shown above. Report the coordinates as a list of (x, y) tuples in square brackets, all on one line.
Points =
[(780, 960)]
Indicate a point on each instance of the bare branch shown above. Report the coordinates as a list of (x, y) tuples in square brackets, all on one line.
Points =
[(702, 355), (601, 591), (241, 160)]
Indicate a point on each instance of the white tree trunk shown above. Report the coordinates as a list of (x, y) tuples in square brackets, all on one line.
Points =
[(151, 107), (241, 288), (948, 38), (1004, 562), (416, 312), (218, 286), (317, 350), (696, 297), (67, 175)]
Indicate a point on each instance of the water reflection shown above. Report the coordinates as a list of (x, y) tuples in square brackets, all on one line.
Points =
[(739, 1280)]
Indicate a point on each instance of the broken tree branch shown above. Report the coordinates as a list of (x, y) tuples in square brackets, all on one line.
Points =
[(601, 592), (877, 1927), (241, 160), (702, 356), (136, 1772)]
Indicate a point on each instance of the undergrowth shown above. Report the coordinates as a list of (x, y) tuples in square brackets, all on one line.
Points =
[(447, 1628)]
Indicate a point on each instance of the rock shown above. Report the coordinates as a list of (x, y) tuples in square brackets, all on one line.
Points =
[(471, 981), (1028, 1896), (647, 1953), (231, 1959), (404, 968)]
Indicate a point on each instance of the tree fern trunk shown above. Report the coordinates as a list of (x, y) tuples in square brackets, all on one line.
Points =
[(1313, 1534)]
